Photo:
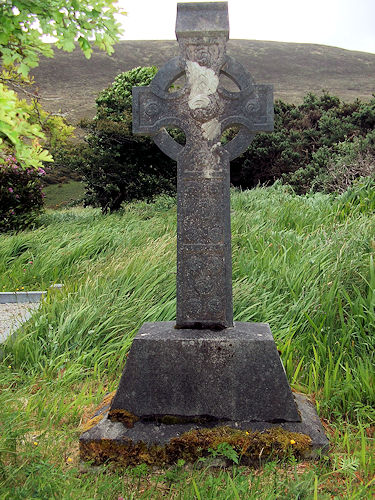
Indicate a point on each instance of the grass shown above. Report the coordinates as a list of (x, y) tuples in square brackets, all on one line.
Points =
[(303, 264), (61, 195)]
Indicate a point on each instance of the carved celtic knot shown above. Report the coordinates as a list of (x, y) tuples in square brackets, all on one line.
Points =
[(208, 109), (204, 272), (252, 105), (210, 54)]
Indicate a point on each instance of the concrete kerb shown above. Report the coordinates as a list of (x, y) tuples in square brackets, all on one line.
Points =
[(21, 299), (25, 297)]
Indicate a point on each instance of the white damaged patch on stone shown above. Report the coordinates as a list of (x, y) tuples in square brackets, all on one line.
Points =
[(202, 82), (211, 129)]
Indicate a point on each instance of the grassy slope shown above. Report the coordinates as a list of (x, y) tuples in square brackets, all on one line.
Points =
[(304, 264), (60, 195), (70, 83)]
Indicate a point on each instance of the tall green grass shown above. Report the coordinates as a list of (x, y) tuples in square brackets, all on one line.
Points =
[(303, 264)]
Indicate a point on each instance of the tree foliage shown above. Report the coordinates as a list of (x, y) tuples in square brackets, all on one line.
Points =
[(16, 128), (322, 144), (116, 165), (311, 143), (24, 25)]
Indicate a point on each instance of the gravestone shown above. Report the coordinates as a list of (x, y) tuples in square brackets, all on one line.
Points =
[(202, 369)]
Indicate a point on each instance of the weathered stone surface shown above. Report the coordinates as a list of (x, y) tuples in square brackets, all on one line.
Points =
[(202, 19), (203, 109), (234, 374), (154, 433), (201, 372)]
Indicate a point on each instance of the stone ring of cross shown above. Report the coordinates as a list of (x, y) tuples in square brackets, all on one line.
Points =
[(155, 108)]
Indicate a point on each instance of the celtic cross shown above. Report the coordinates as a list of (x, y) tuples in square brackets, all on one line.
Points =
[(203, 109)]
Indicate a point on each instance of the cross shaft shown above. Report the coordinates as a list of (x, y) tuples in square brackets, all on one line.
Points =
[(203, 109)]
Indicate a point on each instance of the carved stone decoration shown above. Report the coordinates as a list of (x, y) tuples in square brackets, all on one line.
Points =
[(203, 110)]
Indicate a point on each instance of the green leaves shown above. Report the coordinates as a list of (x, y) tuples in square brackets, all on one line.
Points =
[(24, 25), (225, 450), (85, 46), (113, 101), (310, 146), (17, 133)]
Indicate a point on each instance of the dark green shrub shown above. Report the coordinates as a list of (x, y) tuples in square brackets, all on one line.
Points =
[(115, 165), (21, 196), (113, 101), (310, 145), (128, 168), (62, 169)]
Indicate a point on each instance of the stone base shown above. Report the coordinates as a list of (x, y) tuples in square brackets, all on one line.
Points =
[(161, 444), (185, 390), (204, 375)]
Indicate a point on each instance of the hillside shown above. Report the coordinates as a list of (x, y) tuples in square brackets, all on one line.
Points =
[(69, 83)]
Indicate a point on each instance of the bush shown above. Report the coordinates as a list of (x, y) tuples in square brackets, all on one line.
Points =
[(128, 169), (115, 102), (115, 165), (21, 196), (62, 169), (322, 144), (310, 145)]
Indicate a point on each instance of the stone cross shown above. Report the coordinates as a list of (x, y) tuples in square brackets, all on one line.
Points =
[(203, 109), (193, 377)]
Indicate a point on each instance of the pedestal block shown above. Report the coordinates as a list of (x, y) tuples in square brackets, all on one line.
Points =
[(233, 374), (177, 381)]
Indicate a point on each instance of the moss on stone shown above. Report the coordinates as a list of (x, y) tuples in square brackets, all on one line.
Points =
[(176, 419), (170, 420), (125, 417), (126, 453), (251, 447)]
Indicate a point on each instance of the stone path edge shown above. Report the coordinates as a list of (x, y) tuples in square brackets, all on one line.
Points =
[(21, 297), (26, 302), (26, 297)]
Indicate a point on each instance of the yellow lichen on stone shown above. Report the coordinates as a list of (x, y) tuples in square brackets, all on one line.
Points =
[(91, 423), (95, 420), (106, 401)]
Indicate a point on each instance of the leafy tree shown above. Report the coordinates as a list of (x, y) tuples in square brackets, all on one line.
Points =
[(116, 165), (24, 24), (15, 129)]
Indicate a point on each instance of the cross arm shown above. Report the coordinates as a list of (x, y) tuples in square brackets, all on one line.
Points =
[(251, 108), (151, 112)]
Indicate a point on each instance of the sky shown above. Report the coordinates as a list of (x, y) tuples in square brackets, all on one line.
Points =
[(349, 24)]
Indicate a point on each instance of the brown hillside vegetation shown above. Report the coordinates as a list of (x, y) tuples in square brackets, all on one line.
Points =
[(69, 83)]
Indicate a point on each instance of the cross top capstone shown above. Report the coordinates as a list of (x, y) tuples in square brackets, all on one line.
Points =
[(203, 109)]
